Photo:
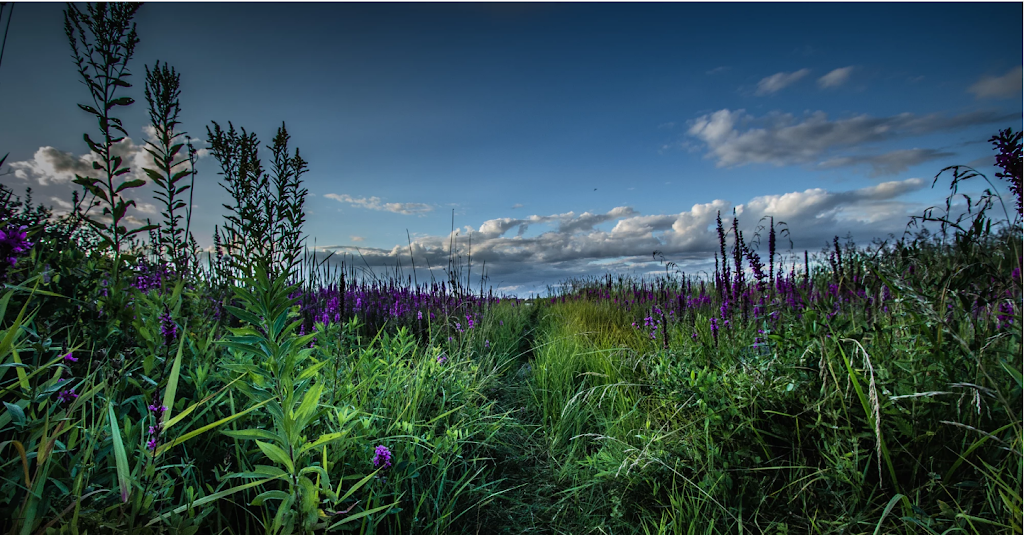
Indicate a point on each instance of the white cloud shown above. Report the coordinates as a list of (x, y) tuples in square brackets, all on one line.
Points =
[(50, 165), (1005, 86), (356, 238), (835, 78), (575, 247), (737, 138), (374, 203), (779, 81)]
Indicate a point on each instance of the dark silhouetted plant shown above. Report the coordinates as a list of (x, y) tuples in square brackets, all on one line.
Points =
[(264, 223), (162, 94), (102, 42)]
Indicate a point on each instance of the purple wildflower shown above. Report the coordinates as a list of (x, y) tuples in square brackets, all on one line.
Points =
[(68, 395), (382, 457), (442, 358), (69, 358), (168, 329), (155, 430)]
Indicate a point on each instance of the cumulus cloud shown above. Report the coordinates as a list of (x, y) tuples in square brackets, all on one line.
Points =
[(50, 165), (736, 138), (374, 203), (572, 245), (890, 163), (1005, 86), (835, 78), (779, 81)]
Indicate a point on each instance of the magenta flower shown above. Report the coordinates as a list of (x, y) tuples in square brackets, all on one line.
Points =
[(69, 358), (67, 395)]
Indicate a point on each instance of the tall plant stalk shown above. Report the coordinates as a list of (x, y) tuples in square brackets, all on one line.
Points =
[(162, 95), (102, 42)]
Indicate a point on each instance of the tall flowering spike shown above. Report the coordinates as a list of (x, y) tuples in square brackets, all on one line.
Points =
[(771, 249), (1009, 160), (168, 329), (721, 243)]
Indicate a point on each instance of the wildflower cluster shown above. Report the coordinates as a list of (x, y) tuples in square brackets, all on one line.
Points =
[(382, 457), (150, 277), (13, 243)]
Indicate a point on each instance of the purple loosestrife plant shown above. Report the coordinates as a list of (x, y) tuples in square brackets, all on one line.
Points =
[(168, 329), (1009, 160), (155, 430), (13, 244), (382, 457), (67, 395)]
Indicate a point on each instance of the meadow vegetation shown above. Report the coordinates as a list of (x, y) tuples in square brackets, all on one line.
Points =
[(149, 387)]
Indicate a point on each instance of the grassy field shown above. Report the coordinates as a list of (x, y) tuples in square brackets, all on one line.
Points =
[(147, 389)]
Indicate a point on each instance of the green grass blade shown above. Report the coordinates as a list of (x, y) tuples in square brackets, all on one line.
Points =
[(120, 456), (172, 382)]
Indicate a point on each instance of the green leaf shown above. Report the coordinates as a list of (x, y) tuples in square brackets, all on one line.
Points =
[(172, 382), (120, 457), (88, 109), (16, 412), (269, 495), (243, 315), (311, 371), (251, 434), (324, 439), (130, 184), (276, 454), (123, 101), (310, 402)]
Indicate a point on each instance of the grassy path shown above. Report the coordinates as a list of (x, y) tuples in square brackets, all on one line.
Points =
[(529, 493)]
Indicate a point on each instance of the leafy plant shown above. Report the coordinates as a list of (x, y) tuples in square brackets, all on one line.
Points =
[(102, 43), (162, 94)]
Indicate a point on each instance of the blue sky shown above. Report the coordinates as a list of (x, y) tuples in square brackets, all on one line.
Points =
[(569, 139)]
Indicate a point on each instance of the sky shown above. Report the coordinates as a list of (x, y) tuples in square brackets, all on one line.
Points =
[(565, 140)]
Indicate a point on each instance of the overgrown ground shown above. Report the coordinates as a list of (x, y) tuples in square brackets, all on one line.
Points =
[(147, 389)]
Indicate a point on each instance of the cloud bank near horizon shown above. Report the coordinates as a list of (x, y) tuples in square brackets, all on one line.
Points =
[(575, 245)]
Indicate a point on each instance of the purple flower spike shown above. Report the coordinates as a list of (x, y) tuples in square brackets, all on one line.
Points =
[(382, 457), (168, 329)]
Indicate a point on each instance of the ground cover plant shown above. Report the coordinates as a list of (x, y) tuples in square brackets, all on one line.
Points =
[(149, 388)]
